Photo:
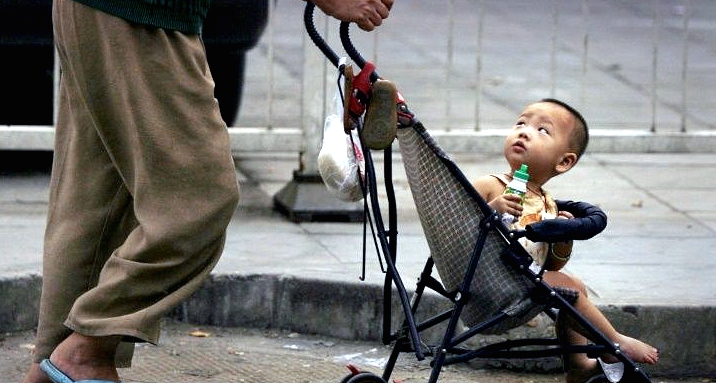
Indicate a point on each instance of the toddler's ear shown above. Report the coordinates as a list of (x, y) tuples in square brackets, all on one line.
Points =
[(567, 161)]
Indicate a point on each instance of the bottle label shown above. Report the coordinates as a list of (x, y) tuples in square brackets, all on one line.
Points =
[(511, 190)]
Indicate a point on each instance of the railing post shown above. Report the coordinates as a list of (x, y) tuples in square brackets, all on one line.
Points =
[(656, 25), (313, 94), (271, 56), (449, 61), (553, 50), (685, 66), (585, 54), (305, 197), (478, 62)]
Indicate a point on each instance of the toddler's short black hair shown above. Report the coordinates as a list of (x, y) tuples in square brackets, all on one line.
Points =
[(580, 137)]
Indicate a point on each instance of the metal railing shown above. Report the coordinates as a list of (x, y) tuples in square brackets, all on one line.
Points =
[(643, 72), (471, 65)]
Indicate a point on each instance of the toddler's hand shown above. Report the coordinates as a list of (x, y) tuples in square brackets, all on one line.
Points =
[(507, 203), (565, 214)]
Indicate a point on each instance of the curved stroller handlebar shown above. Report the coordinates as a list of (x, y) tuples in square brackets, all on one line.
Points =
[(326, 49), (352, 51), (588, 221), (348, 44), (316, 37)]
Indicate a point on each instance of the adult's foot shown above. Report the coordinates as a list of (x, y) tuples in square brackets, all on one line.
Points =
[(83, 357), (35, 375)]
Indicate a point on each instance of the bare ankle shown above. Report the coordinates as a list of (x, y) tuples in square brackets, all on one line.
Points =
[(82, 349), (84, 357), (35, 375)]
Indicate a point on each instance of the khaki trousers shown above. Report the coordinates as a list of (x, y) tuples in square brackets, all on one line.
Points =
[(143, 184)]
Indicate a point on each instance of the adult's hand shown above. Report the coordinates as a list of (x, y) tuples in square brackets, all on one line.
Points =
[(368, 14)]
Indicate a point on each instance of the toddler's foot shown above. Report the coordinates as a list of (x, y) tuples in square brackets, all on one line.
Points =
[(637, 350)]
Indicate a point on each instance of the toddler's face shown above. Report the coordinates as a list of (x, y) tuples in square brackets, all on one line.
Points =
[(539, 138)]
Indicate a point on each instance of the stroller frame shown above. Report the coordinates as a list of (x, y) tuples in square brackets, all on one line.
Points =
[(461, 292)]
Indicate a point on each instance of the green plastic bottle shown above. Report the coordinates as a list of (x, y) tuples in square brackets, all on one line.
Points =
[(518, 186)]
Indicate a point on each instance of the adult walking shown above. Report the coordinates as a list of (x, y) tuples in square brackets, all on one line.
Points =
[(143, 183)]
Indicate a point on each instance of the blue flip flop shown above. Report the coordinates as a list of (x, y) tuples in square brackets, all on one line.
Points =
[(57, 376)]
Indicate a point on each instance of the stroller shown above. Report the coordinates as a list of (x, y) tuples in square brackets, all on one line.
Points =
[(490, 281)]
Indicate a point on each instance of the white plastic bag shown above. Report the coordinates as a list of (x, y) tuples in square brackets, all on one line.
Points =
[(340, 160)]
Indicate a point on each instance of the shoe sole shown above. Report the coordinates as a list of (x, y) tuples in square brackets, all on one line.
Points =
[(381, 118), (348, 122)]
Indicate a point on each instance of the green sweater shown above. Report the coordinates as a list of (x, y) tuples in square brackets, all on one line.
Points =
[(186, 16)]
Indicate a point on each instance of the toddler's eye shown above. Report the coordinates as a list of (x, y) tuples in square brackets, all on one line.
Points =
[(542, 129)]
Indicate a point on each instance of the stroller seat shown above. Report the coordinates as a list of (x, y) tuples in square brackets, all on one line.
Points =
[(451, 213), (493, 282)]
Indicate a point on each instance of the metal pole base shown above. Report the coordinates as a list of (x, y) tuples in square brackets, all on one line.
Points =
[(306, 199)]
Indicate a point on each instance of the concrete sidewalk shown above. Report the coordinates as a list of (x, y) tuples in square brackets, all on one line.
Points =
[(651, 270), (205, 354)]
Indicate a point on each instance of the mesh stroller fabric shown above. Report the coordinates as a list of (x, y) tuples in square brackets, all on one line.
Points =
[(450, 215)]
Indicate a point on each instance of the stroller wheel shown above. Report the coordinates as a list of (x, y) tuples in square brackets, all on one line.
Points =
[(635, 376), (354, 371), (365, 377)]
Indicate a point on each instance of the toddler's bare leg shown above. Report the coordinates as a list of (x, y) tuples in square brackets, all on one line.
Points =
[(578, 367), (635, 349)]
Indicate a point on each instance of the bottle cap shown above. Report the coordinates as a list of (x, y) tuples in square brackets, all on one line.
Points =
[(521, 173)]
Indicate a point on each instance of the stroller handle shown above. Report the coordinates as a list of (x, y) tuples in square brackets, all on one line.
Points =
[(352, 51), (392, 275), (316, 37), (326, 49)]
